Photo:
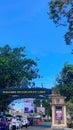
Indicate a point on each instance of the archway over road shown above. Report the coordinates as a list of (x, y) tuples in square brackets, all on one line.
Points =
[(11, 94)]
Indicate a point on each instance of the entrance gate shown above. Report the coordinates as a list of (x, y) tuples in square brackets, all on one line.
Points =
[(58, 112), (58, 105), (32, 92), (11, 94)]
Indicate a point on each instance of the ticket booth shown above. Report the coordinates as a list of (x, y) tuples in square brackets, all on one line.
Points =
[(58, 111)]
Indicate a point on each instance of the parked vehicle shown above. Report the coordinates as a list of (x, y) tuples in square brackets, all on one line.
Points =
[(37, 116), (18, 117), (25, 122), (8, 116), (3, 123), (18, 124)]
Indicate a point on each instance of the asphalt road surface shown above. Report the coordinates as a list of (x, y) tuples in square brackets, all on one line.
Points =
[(42, 126)]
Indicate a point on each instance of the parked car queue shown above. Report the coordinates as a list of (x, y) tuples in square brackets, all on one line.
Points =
[(6, 122)]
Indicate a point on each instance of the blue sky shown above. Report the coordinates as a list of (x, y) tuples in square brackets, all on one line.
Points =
[(26, 23)]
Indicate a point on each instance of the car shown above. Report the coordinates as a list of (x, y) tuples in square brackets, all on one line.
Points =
[(3, 122), (18, 117), (8, 116), (37, 116)]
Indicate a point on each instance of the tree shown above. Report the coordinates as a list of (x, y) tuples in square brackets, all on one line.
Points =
[(47, 106), (65, 81), (45, 103), (61, 12), (69, 114), (15, 68)]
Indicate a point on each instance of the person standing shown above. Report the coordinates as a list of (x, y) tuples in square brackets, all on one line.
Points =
[(26, 122), (31, 120), (13, 122)]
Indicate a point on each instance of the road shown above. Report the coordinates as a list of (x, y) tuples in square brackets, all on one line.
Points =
[(42, 126)]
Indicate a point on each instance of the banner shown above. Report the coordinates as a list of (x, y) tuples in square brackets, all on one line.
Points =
[(59, 114), (28, 105), (41, 110)]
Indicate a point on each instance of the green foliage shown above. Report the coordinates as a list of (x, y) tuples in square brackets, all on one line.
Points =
[(61, 12), (69, 108), (70, 113), (65, 81), (47, 106), (37, 102), (15, 67)]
